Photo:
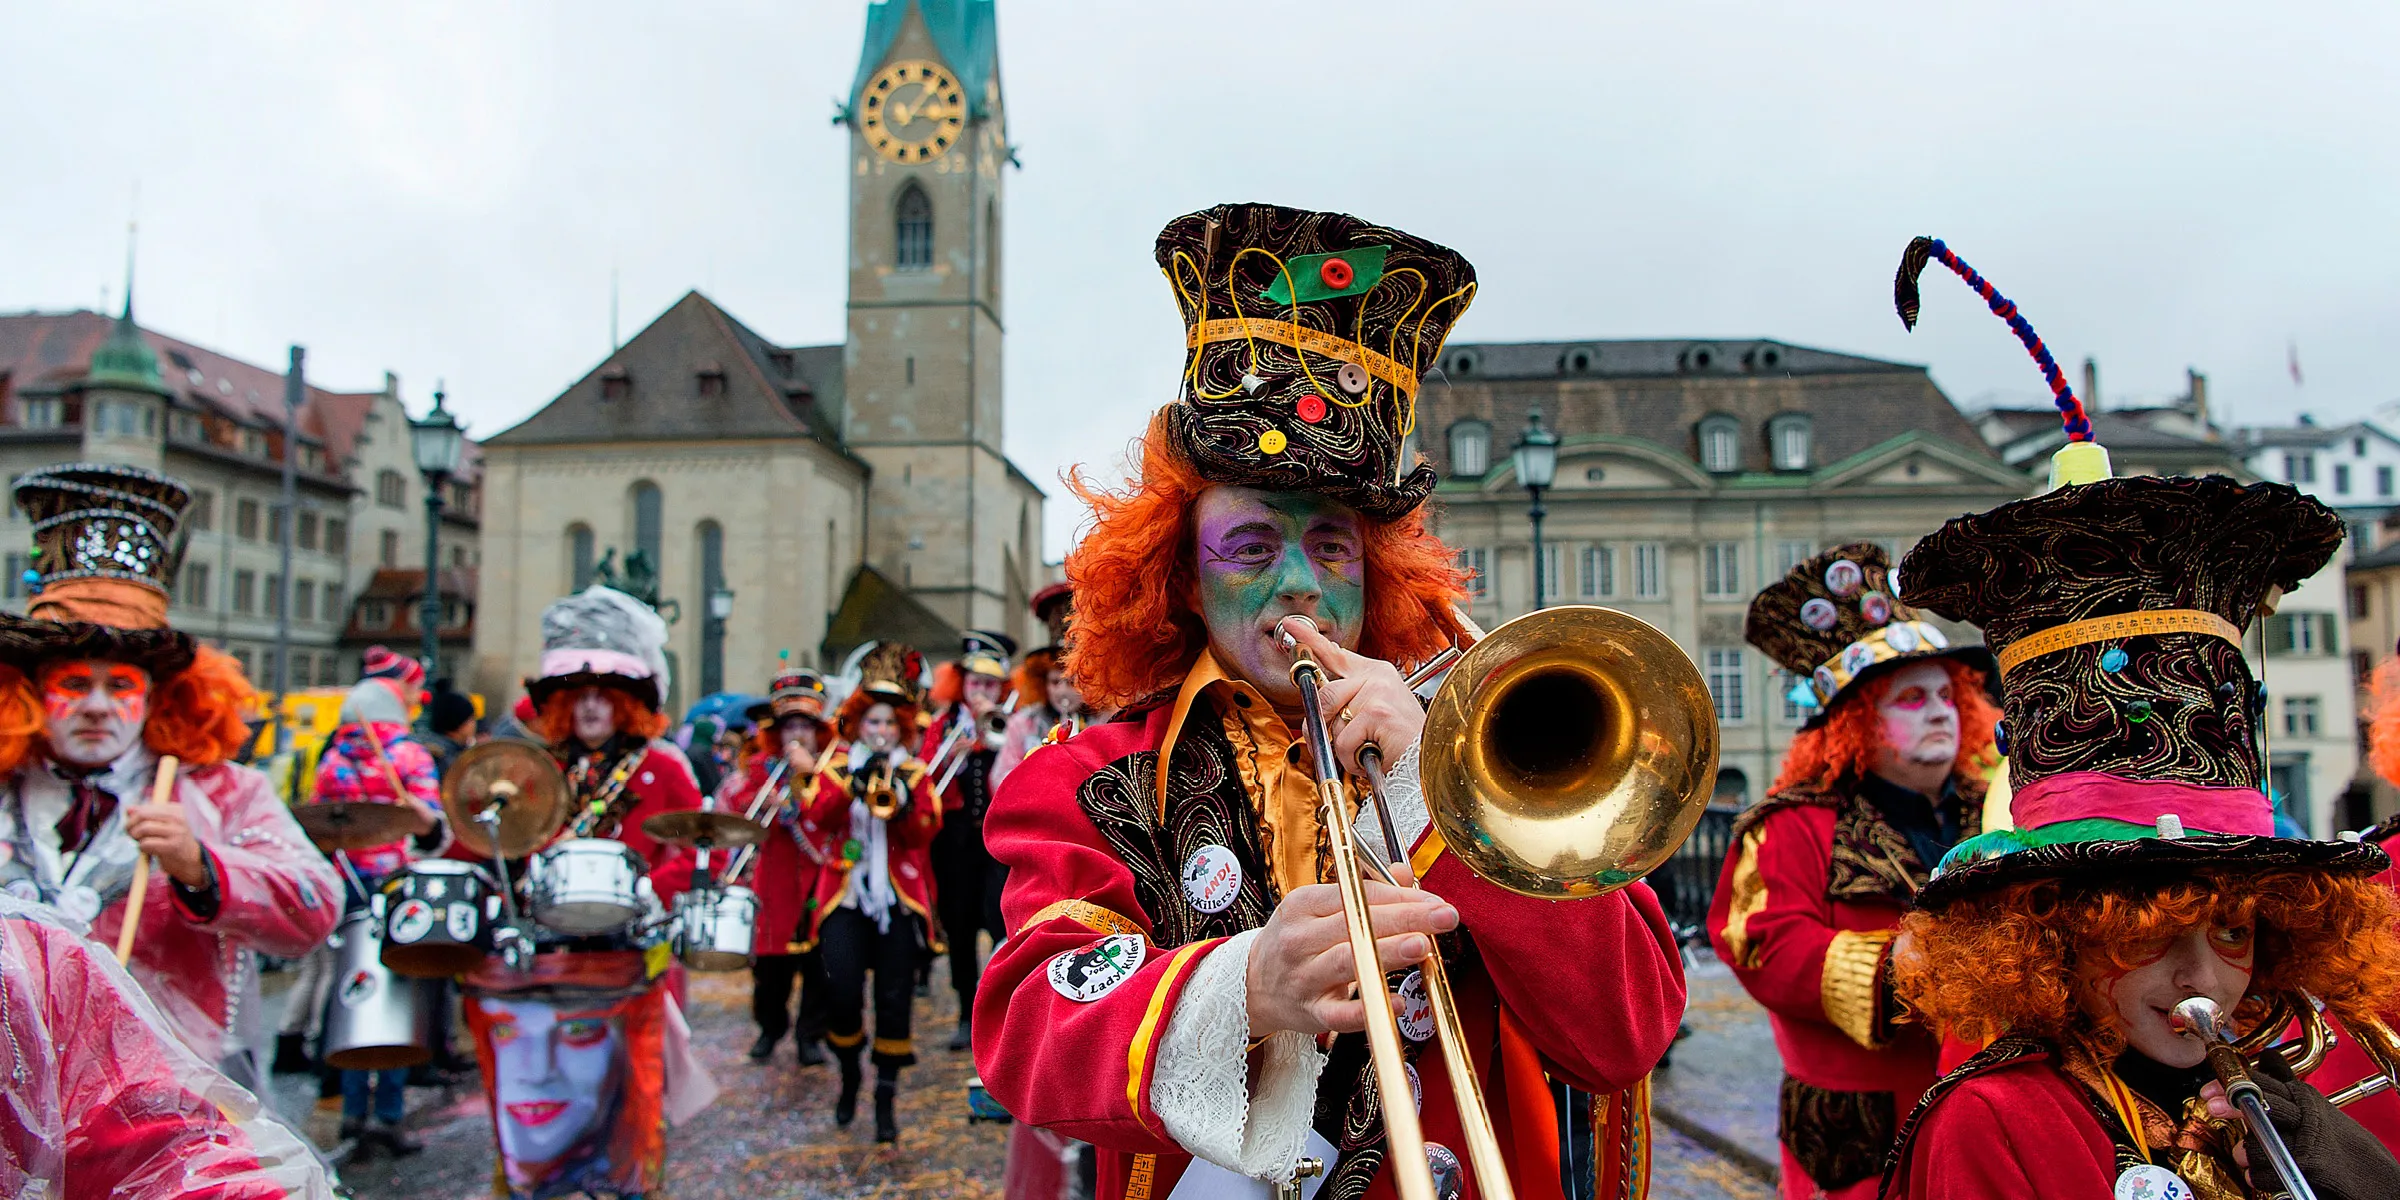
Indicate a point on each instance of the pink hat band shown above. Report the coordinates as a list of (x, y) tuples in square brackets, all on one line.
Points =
[(2082, 795)]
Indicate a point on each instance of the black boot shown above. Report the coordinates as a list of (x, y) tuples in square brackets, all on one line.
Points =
[(291, 1055), (810, 1053), (964, 1038), (390, 1137), (887, 1126), (845, 1106), (764, 1048)]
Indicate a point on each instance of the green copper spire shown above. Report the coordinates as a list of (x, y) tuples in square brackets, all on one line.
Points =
[(125, 360)]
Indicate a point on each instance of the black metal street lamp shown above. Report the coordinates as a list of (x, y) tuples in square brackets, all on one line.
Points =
[(438, 443), (1537, 465)]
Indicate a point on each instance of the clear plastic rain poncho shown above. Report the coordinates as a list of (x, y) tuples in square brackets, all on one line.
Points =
[(98, 1099)]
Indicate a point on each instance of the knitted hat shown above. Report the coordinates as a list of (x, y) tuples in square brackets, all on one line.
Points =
[(2117, 608), (601, 637), (105, 545), (405, 674), (448, 710), (1309, 334), (1836, 621)]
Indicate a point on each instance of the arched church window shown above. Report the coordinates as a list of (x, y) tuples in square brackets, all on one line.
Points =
[(579, 555), (912, 225), (649, 530)]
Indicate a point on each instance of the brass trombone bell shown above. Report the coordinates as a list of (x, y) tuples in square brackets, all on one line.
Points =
[(1569, 752)]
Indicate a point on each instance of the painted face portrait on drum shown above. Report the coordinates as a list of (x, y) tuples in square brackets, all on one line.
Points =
[(557, 1081)]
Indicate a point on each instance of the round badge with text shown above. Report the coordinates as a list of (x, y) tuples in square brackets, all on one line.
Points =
[(1416, 1010), (2149, 1181), (1096, 970), (1843, 578), (1212, 879), (461, 922)]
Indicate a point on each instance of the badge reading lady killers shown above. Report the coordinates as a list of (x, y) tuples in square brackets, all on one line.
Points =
[(2148, 1182), (1086, 975), (1212, 878)]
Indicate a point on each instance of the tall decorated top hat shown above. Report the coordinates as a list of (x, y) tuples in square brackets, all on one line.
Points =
[(894, 673), (105, 545), (2117, 607), (601, 637), (983, 652), (795, 691), (1309, 334), (1836, 621)]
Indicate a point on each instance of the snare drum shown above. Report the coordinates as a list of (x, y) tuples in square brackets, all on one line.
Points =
[(439, 921), (714, 928), (586, 886), (373, 1020)]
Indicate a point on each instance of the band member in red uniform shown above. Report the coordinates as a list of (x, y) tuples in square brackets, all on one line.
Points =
[(874, 801), (966, 882), (585, 1055), (1048, 708), (94, 691), (792, 731), (2142, 869), (1876, 787), (1176, 967)]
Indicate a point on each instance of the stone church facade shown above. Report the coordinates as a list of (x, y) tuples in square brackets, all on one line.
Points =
[(838, 493)]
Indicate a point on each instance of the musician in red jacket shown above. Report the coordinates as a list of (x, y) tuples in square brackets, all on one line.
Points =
[(966, 882), (2140, 869), (873, 800), (1174, 987), (1876, 787), (782, 754)]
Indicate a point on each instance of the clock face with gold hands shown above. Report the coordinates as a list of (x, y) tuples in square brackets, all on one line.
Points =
[(912, 112)]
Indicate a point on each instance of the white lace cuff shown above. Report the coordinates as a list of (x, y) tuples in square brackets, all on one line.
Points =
[(1201, 1087), (1404, 790)]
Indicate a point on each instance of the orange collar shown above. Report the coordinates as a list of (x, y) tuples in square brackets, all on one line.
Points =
[(1207, 677)]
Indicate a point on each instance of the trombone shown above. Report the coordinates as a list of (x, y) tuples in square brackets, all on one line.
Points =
[(1565, 755)]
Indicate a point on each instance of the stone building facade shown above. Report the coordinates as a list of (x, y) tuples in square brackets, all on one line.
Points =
[(838, 493)]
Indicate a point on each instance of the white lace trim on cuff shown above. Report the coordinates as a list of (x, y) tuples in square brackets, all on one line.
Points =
[(1404, 790), (1201, 1087)]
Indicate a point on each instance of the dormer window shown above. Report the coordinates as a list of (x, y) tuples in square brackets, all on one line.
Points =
[(1788, 441), (712, 381), (1462, 363), (782, 360), (1470, 449), (1720, 444), (616, 384)]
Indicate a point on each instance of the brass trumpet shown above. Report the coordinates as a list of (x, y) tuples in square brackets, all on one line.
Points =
[(1564, 756), (879, 787)]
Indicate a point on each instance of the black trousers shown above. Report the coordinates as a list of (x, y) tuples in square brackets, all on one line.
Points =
[(852, 947), (966, 882), (771, 979)]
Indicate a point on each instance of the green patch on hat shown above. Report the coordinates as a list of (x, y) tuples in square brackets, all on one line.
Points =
[(2000, 842), (1312, 278)]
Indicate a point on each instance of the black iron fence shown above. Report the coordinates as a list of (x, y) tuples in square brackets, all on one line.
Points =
[(1687, 882)]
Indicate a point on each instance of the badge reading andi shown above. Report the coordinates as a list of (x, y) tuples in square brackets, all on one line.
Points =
[(1416, 1010), (1086, 975), (1211, 879), (2151, 1182)]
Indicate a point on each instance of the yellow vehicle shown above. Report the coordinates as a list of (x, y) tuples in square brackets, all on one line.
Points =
[(311, 715)]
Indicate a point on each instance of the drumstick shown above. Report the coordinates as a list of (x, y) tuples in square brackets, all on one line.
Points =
[(162, 787)]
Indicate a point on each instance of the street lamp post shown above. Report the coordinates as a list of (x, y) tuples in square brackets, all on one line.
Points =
[(1537, 466), (712, 649), (437, 442)]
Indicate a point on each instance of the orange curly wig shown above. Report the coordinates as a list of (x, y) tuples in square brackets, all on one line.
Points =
[(1844, 746), (1033, 677), (1137, 618), (854, 709), (555, 721), (2044, 949), (199, 714)]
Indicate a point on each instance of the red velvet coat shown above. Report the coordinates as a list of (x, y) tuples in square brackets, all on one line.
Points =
[(1591, 990), (2345, 1064), (662, 782), (784, 871), (2023, 1129), (907, 835)]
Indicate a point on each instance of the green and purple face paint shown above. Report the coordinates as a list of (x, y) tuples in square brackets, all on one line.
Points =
[(1263, 556)]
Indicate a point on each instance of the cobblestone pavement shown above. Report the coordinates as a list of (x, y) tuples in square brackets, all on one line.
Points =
[(1721, 1083), (770, 1133)]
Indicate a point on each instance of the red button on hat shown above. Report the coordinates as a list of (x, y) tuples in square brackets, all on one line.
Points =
[(1312, 408), (1336, 273)]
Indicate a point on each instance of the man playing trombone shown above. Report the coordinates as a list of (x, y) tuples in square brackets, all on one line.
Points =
[(1177, 983)]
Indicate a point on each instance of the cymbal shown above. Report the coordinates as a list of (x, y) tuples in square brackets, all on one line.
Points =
[(354, 825), (724, 830), (522, 776)]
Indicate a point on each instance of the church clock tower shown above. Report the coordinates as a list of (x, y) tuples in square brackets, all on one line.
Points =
[(947, 516)]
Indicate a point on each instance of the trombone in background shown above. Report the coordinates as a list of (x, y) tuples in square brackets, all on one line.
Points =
[(1565, 755)]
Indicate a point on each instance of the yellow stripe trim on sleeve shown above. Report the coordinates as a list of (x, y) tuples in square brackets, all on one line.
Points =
[(1138, 1053), (1429, 848), (1749, 898), (1085, 913)]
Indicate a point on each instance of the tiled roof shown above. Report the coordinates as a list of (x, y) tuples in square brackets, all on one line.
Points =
[(1648, 357)]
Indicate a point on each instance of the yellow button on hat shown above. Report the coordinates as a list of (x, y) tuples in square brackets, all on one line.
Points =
[(1272, 442)]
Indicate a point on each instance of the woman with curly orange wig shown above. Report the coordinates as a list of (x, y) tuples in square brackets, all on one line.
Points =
[(1172, 939), (104, 710)]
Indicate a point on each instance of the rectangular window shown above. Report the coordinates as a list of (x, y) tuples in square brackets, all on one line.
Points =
[(202, 515), (2358, 600), (389, 551), (304, 600), (2341, 479), (14, 588), (46, 413), (2301, 716), (245, 592), (2383, 481), (337, 536), (334, 611), (1724, 671), (1474, 561), (1721, 570), (1786, 685), (195, 585), (1553, 584), (308, 531), (242, 656), (1597, 576), (275, 524), (2362, 666), (2302, 635), (1649, 571), (1790, 553), (274, 596), (245, 520)]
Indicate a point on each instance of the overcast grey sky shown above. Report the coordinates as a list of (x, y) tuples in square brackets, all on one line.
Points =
[(444, 190)]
